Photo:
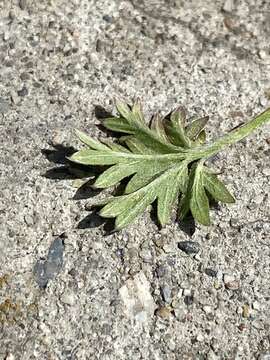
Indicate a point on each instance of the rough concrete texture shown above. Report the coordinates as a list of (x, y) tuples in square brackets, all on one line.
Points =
[(61, 60)]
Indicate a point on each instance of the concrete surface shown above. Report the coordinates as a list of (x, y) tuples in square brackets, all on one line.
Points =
[(60, 61)]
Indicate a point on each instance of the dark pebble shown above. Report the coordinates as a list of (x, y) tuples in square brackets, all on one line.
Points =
[(210, 272), (189, 247), (22, 4), (107, 18), (45, 270), (189, 299), (23, 92)]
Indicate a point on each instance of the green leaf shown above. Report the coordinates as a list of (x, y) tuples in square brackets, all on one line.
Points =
[(169, 192), (158, 126), (164, 161), (87, 140), (129, 206), (123, 109), (137, 112), (115, 174), (146, 173), (118, 125), (95, 157), (195, 198), (199, 204), (201, 138), (115, 146), (216, 188), (176, 129), (194, 128), (136, 146)]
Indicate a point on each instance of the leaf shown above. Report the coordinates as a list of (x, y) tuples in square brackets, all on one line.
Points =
[(176, 128), (195, 198), (216, 188), (169, 191), (123, 109), (194, 128), (163, 162), (115, 174), (87, 140), (158, 127), (201, 138), (199, 204), (127, 207), (115, 146), (137, 112), (118, 125), (147, 172), (136, 146)]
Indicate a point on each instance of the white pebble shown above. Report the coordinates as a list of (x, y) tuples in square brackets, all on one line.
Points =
[(256, 305), (207, 309), (186, 292), (68, 298)]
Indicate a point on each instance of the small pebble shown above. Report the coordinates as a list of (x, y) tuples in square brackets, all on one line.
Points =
[(256, 305), (159, 241), (207, 309), (146, 255), (22, 4), (263, 54), (186, 292), (200, 338), (68, 298), (245, 311), (161, 271), (23, 92), (228, 278), (189, 247), (166, 293), (233, 285), (263, 101), (163, 312), (228, 5), (197, 257), (210, 272), (188, 300), (242, 327)]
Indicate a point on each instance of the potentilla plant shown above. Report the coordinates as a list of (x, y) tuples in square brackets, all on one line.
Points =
[(165, 162)]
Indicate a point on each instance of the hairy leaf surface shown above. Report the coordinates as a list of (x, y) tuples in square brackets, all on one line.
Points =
[(163, 162)]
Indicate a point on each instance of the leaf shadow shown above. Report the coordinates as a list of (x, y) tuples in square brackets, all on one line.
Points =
[(94, 220), (101, 114), (188, 225), (67, 170), (91, 221), (59, 153), (153, 215), (86, 191)]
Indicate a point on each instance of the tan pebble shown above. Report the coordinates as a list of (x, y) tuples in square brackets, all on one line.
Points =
[(163, 312), (232, 285), (245, 312)]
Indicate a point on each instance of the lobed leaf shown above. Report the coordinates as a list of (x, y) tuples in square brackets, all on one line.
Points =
[(164, 161), (195, 128), (216, 188), (87, 140), (118, 125), (195, 198)]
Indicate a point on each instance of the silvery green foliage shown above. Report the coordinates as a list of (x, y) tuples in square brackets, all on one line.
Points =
[(164, 161)]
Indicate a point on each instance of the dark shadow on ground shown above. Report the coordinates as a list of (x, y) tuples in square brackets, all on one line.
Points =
[(188, 225)]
